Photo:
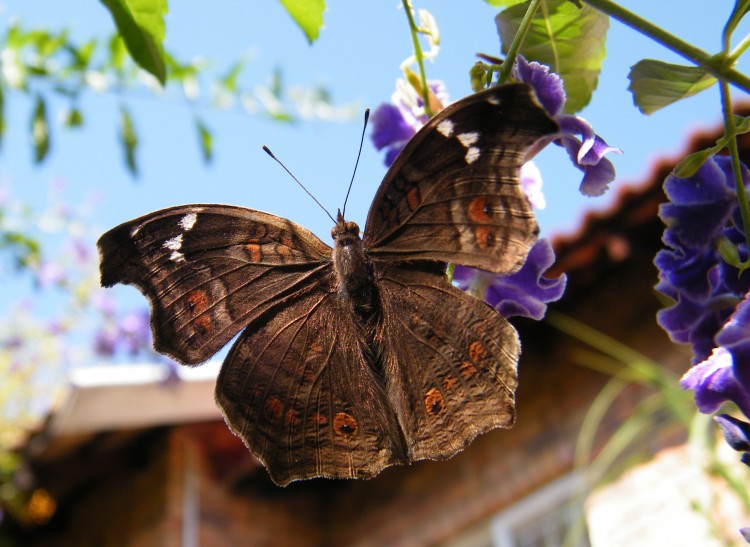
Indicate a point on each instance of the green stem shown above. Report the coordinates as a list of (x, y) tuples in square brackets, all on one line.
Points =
[(419, 57), (715, 65), (731, 133), (739, 49), (518, 39)]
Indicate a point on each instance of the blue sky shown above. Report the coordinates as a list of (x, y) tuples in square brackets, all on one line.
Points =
[(357, 57)]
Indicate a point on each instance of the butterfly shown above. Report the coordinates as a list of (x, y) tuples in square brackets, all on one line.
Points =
[(361, 356)]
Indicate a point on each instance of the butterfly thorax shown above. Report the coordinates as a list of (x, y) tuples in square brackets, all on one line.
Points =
[(353, 267)]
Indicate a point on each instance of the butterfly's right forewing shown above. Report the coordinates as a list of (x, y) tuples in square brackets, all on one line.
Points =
[(453, 194)]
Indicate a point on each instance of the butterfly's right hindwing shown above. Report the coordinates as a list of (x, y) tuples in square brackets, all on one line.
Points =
[(450, 361), (210, 270)]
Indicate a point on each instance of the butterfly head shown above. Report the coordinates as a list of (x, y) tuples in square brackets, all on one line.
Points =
[(345, 232)]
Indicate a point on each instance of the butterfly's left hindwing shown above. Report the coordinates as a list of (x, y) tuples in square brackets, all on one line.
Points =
[(210, 270), (300, 393)]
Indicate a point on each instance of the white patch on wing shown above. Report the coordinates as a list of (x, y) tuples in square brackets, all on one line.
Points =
[(493, 100), (174, 245), (188, 221), (472, 154), (135, 229), (467, 139), (445, 128)]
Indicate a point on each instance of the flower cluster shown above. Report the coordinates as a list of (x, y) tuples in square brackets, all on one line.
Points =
[(127, 333), (711, 310), (130, 334)]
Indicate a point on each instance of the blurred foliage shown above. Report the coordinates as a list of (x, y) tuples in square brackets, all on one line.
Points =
[(664, 405), (55, 316), (52, 65)]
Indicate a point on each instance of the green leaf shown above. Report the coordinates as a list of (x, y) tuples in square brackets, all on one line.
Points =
[(129, 140), (73, 118), (655, 84), (48, 44), (40, 130), (729, 252), (308, 14), (568, 39), (277, 83), (26, 250), (206, 140), (141, 25), (117, 51), (229, 81), (81, 55), (690, 165), (2, 115), (504, 3)]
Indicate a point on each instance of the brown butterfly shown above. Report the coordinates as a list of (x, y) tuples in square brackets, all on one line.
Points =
[(361, 356)]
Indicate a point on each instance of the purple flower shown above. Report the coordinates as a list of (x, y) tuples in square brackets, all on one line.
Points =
[(136, 331), (585, 148), (531, 184), (712, 297), (130, 334), (523, 293), (390, 131), (104, 303), (50, 273), (736, 432), (700, 206), (105, 342), (81, 250), (393, 124), (735, 337), (714, 383), (705, 288)]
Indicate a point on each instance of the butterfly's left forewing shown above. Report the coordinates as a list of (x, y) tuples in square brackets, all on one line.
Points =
[(210, 270)]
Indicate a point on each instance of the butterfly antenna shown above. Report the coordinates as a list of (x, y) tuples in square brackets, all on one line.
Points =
[(268, 151), (361, 140)]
